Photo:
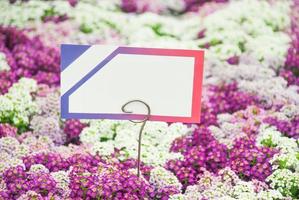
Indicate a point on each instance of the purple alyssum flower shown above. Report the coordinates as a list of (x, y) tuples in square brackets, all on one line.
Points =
[(7, 130), (288, 128), (201, 151), (31, 58), (73, 128), (250, 161)]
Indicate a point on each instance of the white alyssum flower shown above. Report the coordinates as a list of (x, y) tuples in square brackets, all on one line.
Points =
[(89, 16), (11, 162), (285, 181), (227, 185), (102, 148), (290, 110), (8, 145), (22, 14), (274, 55), (62, 180), (228, 73), (269, 195), (105, 19), (107, 128), (49, 105), (177, 197), (37, 168), (89, 134), (260, 43), (164, 42), (249, 27), (21, 151), (160, 178), (162, 6), (177, 5), (105, 135), (106, 5), (224, 117), (18, 105), (288, 161), (3, 185), (191, 193), (243, 189), (3, 64), (30, 194), (11, 153), (287, 158), (4, 156), (156, 141), (270, 136), (101, 130), (272, 91), (217, 190), (227, 132), (285, 178), (38, 145), (150, 27)]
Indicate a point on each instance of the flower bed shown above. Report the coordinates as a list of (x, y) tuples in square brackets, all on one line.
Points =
[(245, 147)]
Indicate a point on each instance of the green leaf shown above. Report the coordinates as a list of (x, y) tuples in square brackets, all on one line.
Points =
[(268, 142), (85, 29)]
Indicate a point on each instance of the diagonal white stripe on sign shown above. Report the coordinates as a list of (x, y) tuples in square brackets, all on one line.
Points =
[(84, 64)]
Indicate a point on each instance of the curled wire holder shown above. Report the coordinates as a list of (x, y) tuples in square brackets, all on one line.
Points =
[(123, 108)]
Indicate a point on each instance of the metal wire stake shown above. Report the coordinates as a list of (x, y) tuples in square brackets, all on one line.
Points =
[(123, 108)]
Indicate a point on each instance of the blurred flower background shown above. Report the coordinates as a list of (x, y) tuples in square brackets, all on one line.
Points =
[(245, 147)]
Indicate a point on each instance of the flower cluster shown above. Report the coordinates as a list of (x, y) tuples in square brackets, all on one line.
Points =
[(17, 105), (229, 33), (54, 162), (23, 13), (117, 184), (239, 124), (105, 136), (83, 176), (31, 58), (227, 185), (225, 98), (162, 178), (291, 69), (73, 128), (7, 130), (285, 181), (250, 161), (3, 63), (154, 6), (288, 148), (201, 151), (289, 128)]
